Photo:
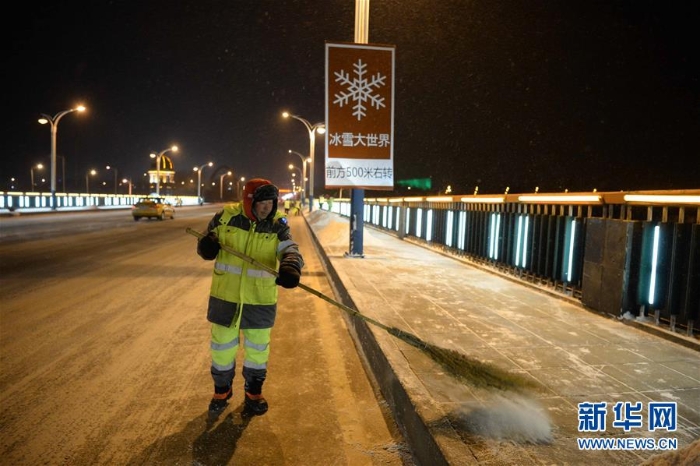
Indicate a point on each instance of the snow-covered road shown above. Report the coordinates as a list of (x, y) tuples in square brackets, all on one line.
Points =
[(104, 355)]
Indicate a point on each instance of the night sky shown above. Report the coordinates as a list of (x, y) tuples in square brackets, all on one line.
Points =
[(552, 94)]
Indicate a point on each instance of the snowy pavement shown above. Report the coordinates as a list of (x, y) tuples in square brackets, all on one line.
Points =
[(573, 355)]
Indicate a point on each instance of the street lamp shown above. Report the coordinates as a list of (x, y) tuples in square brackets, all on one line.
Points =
[(303, 179), (87, 179), (31, 171), (115, 177), (239, 195), (157, 157), (54, 129), (312, 129), (128, 180), (199, 180), (221, 184), (292, 167)]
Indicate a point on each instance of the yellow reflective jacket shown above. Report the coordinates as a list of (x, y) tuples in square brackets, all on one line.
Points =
[(238, 285)]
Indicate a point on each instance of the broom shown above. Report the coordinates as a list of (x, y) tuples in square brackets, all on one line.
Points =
[(456, 364)]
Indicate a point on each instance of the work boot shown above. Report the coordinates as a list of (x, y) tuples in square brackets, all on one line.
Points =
[(220, 399), (255, 404)]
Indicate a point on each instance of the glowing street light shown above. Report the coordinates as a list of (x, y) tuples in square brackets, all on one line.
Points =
[(301, 187), (87, 179), (128, 180), (157, 157), (312, 129), (54, 130), (304, 160), (221, 183), (199, 180), (239, 195), (31, 170)]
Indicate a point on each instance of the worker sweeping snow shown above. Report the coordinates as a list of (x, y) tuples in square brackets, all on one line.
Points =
[(243, 297)]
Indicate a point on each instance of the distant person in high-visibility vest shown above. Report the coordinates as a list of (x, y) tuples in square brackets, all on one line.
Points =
[(243, 296), (287, 206)]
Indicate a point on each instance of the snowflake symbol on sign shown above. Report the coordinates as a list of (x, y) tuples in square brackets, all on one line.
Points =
[(359, 89)]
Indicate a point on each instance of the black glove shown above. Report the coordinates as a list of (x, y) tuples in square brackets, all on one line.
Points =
[(208, 246), (288, 276)]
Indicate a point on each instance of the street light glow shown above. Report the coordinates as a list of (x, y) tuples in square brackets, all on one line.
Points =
[(31, 171), (92, 172), (221, 183), (304, 161), (199, 180), (157, 157), (54, 130), (312, 129)]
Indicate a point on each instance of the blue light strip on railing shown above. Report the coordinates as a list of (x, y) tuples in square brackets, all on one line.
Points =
[(448, 230), (462, 230), (491, 234), (525, 236), (429, 226), (498, 232), (419, 226), (521, 241), (571, 251), (493, 237), (518, 239), (654, 265)]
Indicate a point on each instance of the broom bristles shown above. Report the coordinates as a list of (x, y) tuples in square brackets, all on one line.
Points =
[(466, 369)]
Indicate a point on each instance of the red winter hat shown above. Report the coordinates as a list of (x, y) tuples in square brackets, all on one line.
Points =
[(259, 189)]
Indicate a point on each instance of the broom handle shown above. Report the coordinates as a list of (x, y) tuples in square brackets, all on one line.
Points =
[(454, 363), (314, 292)]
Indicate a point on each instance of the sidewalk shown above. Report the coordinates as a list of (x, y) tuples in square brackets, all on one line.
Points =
[(574, 355)]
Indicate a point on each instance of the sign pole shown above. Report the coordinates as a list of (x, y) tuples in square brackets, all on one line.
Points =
[(357, 196), (359, 120)]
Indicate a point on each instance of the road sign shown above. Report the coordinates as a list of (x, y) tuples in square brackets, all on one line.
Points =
[(359, 116)]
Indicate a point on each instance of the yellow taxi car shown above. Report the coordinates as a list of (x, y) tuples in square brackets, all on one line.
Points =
[(152, 207)]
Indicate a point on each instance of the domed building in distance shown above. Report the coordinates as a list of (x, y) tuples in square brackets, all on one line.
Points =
[(166, 174)]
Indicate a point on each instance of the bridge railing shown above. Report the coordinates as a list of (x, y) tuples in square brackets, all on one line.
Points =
[(36, 201), (620, 253)]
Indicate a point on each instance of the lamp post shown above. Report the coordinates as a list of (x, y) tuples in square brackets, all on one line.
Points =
[(221, 184), (31, 171), (292, 167), (54, 129), (312, 129), (239, 195), (87, 179), (303, 175), (128, 180), (108, 167), (199, 180), (157, 157)]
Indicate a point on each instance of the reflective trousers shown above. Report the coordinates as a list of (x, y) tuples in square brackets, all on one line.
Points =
[(225, 342)]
